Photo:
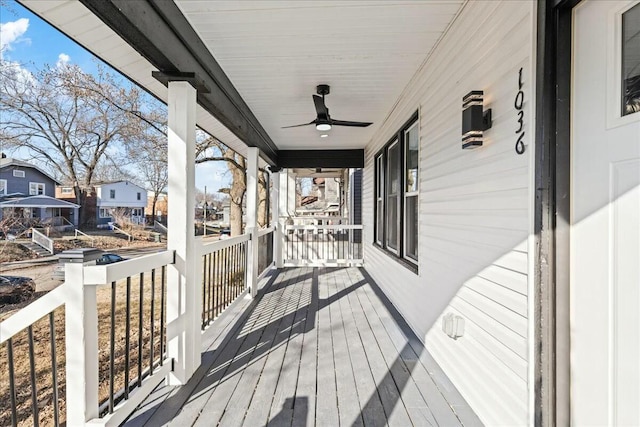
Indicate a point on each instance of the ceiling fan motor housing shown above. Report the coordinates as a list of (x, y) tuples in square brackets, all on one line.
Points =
[(323, 90)]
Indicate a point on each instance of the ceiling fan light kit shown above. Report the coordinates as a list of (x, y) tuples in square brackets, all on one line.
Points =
[(323, 121)]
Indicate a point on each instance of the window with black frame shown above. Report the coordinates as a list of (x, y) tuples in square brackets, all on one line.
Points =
[(631, 61), (396, 195)]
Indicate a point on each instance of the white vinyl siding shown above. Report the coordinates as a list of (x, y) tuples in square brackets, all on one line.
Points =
[(36, 188), (474, 210)]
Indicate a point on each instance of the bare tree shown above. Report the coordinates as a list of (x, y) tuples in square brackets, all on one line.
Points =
[(71, 121), (209, 149)]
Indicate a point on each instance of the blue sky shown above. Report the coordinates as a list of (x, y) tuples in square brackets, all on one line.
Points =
[(32, 42)]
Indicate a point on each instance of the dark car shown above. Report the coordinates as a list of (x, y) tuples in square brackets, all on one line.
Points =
[(14, 289), (109, 259)]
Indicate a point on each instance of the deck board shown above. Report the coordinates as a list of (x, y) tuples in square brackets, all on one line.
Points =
[(319, 346)]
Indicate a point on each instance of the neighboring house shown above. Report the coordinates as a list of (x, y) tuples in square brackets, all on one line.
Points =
[(29, 191), (120, 196)]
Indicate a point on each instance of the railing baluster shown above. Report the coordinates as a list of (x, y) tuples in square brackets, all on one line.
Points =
[(163, 334), (203, 312), (12, 383), (54, 370), (112, 347), (212, 286), (152, 319), (210, 290), (32, 371), (140, 309), (127, 337)]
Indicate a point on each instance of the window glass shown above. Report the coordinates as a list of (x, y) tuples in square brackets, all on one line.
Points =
[(18, 174), (36, 188), (3, 186), (631, 61), (379, 200), (411, 227), (411, 159), (393, 188), (112, 194)]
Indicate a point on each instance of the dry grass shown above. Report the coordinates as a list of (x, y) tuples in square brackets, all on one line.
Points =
[(10, 251), (42, 350), (42, 347)]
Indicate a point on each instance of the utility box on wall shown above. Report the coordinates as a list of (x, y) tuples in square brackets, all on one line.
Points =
[(453, 326)]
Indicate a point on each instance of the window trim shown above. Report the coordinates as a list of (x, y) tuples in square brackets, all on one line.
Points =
[(380, 167), (101, 210), (3, 191), (66, 190), (17, 173), (37, 184), (112, 193)]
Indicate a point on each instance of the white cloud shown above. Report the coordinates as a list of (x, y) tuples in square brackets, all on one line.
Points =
[(12, 32), (63, 59)]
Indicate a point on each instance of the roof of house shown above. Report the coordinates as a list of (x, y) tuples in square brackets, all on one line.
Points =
[(37, 202), (8, 161), (101, 183)]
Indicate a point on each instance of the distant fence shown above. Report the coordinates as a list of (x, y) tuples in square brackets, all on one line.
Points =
[(322, 245)]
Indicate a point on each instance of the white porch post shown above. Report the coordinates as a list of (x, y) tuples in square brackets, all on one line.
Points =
[(252, 219), (81, 347), (183, 308), (278, 235)]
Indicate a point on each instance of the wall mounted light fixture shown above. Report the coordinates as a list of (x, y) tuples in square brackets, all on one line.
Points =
[(474, 119)]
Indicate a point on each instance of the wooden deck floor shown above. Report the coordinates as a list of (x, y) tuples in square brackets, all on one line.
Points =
[(322, 346)]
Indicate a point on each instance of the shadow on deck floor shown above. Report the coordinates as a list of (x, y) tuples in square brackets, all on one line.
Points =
[(320, 346)]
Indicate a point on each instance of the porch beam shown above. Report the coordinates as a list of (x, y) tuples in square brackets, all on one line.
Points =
[(162, 35), (183, 305), (321, 158)]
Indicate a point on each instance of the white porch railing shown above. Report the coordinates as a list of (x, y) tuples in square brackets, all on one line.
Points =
[(322, 245), (41, 240), (120, 230), (78, 233)]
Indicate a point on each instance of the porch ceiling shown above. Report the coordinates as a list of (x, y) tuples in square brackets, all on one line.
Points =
[(276, 52)]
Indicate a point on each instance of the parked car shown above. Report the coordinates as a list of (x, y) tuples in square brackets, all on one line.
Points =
[(225, 233), (86, 256), (109, 259), (14, 289)]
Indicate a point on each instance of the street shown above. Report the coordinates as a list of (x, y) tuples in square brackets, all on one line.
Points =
[(41, 271)]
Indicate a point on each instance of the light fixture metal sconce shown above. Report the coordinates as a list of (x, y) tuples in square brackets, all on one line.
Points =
[(474, 119)]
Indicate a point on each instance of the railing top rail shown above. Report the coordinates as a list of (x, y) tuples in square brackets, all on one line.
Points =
[(33, 312), (325, 227), (266, 231), (103, 274), (210, 247)]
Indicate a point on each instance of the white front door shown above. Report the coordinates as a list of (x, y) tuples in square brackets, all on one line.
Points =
[(605, 214)]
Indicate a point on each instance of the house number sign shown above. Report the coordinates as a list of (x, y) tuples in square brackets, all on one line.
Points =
[(518, 103)]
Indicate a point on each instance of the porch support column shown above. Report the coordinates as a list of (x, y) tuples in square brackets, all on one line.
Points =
[(252, 219), (183, 307), (278, 235)]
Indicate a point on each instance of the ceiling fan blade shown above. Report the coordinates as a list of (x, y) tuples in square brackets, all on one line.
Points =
[(297, 126), (321, 109), (352, 124)]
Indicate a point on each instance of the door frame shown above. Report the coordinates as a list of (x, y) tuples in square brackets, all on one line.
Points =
[(552, 343)]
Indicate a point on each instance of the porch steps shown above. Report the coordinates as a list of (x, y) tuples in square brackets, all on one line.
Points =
[(37, 249)]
